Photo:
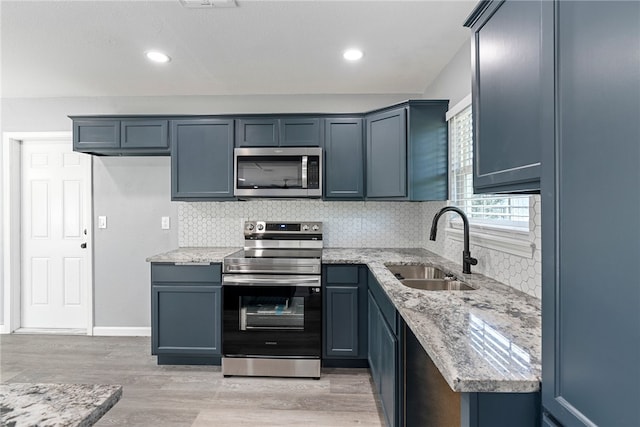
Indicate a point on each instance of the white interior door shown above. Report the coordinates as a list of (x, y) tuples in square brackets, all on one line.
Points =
[(55, 192)]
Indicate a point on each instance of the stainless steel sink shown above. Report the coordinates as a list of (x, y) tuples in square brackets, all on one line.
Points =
[(427, 278), (416, 271), (436, 285)]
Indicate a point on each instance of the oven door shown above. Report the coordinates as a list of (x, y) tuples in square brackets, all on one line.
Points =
[(271, 315)]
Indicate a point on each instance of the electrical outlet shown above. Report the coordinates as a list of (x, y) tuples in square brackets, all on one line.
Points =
[(165, 223), (102, 222)]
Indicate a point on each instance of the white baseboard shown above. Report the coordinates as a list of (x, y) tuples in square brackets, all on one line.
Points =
[(4, 329), (122, 331)]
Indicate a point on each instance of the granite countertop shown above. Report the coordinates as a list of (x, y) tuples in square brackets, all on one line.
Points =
[(194, 255), (55, 404), (484, 340)]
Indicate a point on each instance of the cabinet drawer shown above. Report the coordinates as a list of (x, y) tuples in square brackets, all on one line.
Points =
[(343, 274), (172, 273)]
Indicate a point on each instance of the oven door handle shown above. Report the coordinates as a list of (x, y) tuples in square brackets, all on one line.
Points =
[(251, 280)]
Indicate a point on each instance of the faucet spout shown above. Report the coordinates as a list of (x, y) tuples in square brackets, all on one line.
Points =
[(467, 259)]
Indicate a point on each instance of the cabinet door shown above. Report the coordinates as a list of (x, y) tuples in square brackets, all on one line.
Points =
[(344, 159), (373, 353), (512, 73), (590, 295), (387, 154), (144, 134), (96, 133), (202, 159), (300, 132), (257, 133), (186, 319), (341, 321), (388, 370)]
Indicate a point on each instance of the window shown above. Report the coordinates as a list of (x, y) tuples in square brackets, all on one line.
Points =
[(496, 211)]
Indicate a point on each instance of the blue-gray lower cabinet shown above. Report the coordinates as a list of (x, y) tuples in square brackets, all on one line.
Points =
[(343, 159), (345, 315), (186, 313), (384, 352), (202, 159), (591, 219), (112, 136)]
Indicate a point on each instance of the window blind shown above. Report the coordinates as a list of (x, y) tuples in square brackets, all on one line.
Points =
[(482, 208)]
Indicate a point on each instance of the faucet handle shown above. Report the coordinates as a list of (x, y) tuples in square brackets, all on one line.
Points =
[(471, 260)]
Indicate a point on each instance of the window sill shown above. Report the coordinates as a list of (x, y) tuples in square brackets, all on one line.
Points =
[(504, 239)]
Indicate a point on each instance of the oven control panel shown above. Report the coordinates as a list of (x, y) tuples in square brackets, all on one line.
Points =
[(274, 227)]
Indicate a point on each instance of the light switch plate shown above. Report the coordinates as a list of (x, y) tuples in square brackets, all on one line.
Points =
[(102, 222), (166, 223)]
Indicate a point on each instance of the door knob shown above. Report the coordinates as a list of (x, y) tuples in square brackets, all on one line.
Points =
[(83, 245)]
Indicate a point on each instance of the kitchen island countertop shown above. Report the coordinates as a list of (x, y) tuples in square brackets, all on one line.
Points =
[(77, 405), (483, 340)]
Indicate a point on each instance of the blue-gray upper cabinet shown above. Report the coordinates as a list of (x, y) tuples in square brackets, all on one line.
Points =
[(591, 219), (143, 134), (345, 307), (186, 316), (274, 132), (257, 132), (115, 136), (512, 75), (387, 154), (300, 132), (344, 159), (202, 159), (406, 152)]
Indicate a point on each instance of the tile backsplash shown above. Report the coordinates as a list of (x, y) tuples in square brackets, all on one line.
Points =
[(362, 224), (346, 224)]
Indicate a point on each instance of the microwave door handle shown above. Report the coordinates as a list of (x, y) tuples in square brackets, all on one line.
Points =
[(304, 171)]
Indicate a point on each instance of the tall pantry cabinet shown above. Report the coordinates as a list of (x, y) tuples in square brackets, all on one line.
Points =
[(591, 219)]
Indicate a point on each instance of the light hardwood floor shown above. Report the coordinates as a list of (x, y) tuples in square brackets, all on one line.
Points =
[(187, 395)]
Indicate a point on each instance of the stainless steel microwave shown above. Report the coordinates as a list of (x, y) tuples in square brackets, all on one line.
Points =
[(277, 172)]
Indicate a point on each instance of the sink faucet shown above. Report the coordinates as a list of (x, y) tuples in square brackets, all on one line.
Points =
[(467, 260)]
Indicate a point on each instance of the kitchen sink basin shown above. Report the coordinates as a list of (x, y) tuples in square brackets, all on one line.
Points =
[(416, 271), (427, 278), (436, 285)]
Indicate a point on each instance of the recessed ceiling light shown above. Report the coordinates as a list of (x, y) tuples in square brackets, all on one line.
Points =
[(155, 56), (352, 54)]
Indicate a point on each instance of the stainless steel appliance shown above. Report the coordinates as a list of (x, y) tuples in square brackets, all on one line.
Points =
[(272, 301), (277, 172)]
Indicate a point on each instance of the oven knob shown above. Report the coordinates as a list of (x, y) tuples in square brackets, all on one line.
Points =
[(260, 227), (250, 227), (305, 227), (315, 228)]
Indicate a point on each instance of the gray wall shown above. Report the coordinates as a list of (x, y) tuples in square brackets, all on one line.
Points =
[(135, 192), (454, 81)]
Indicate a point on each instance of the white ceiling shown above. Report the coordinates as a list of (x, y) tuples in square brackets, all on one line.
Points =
[(95, 48)]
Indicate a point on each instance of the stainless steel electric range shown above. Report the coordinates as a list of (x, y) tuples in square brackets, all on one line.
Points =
[(272, 301)]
